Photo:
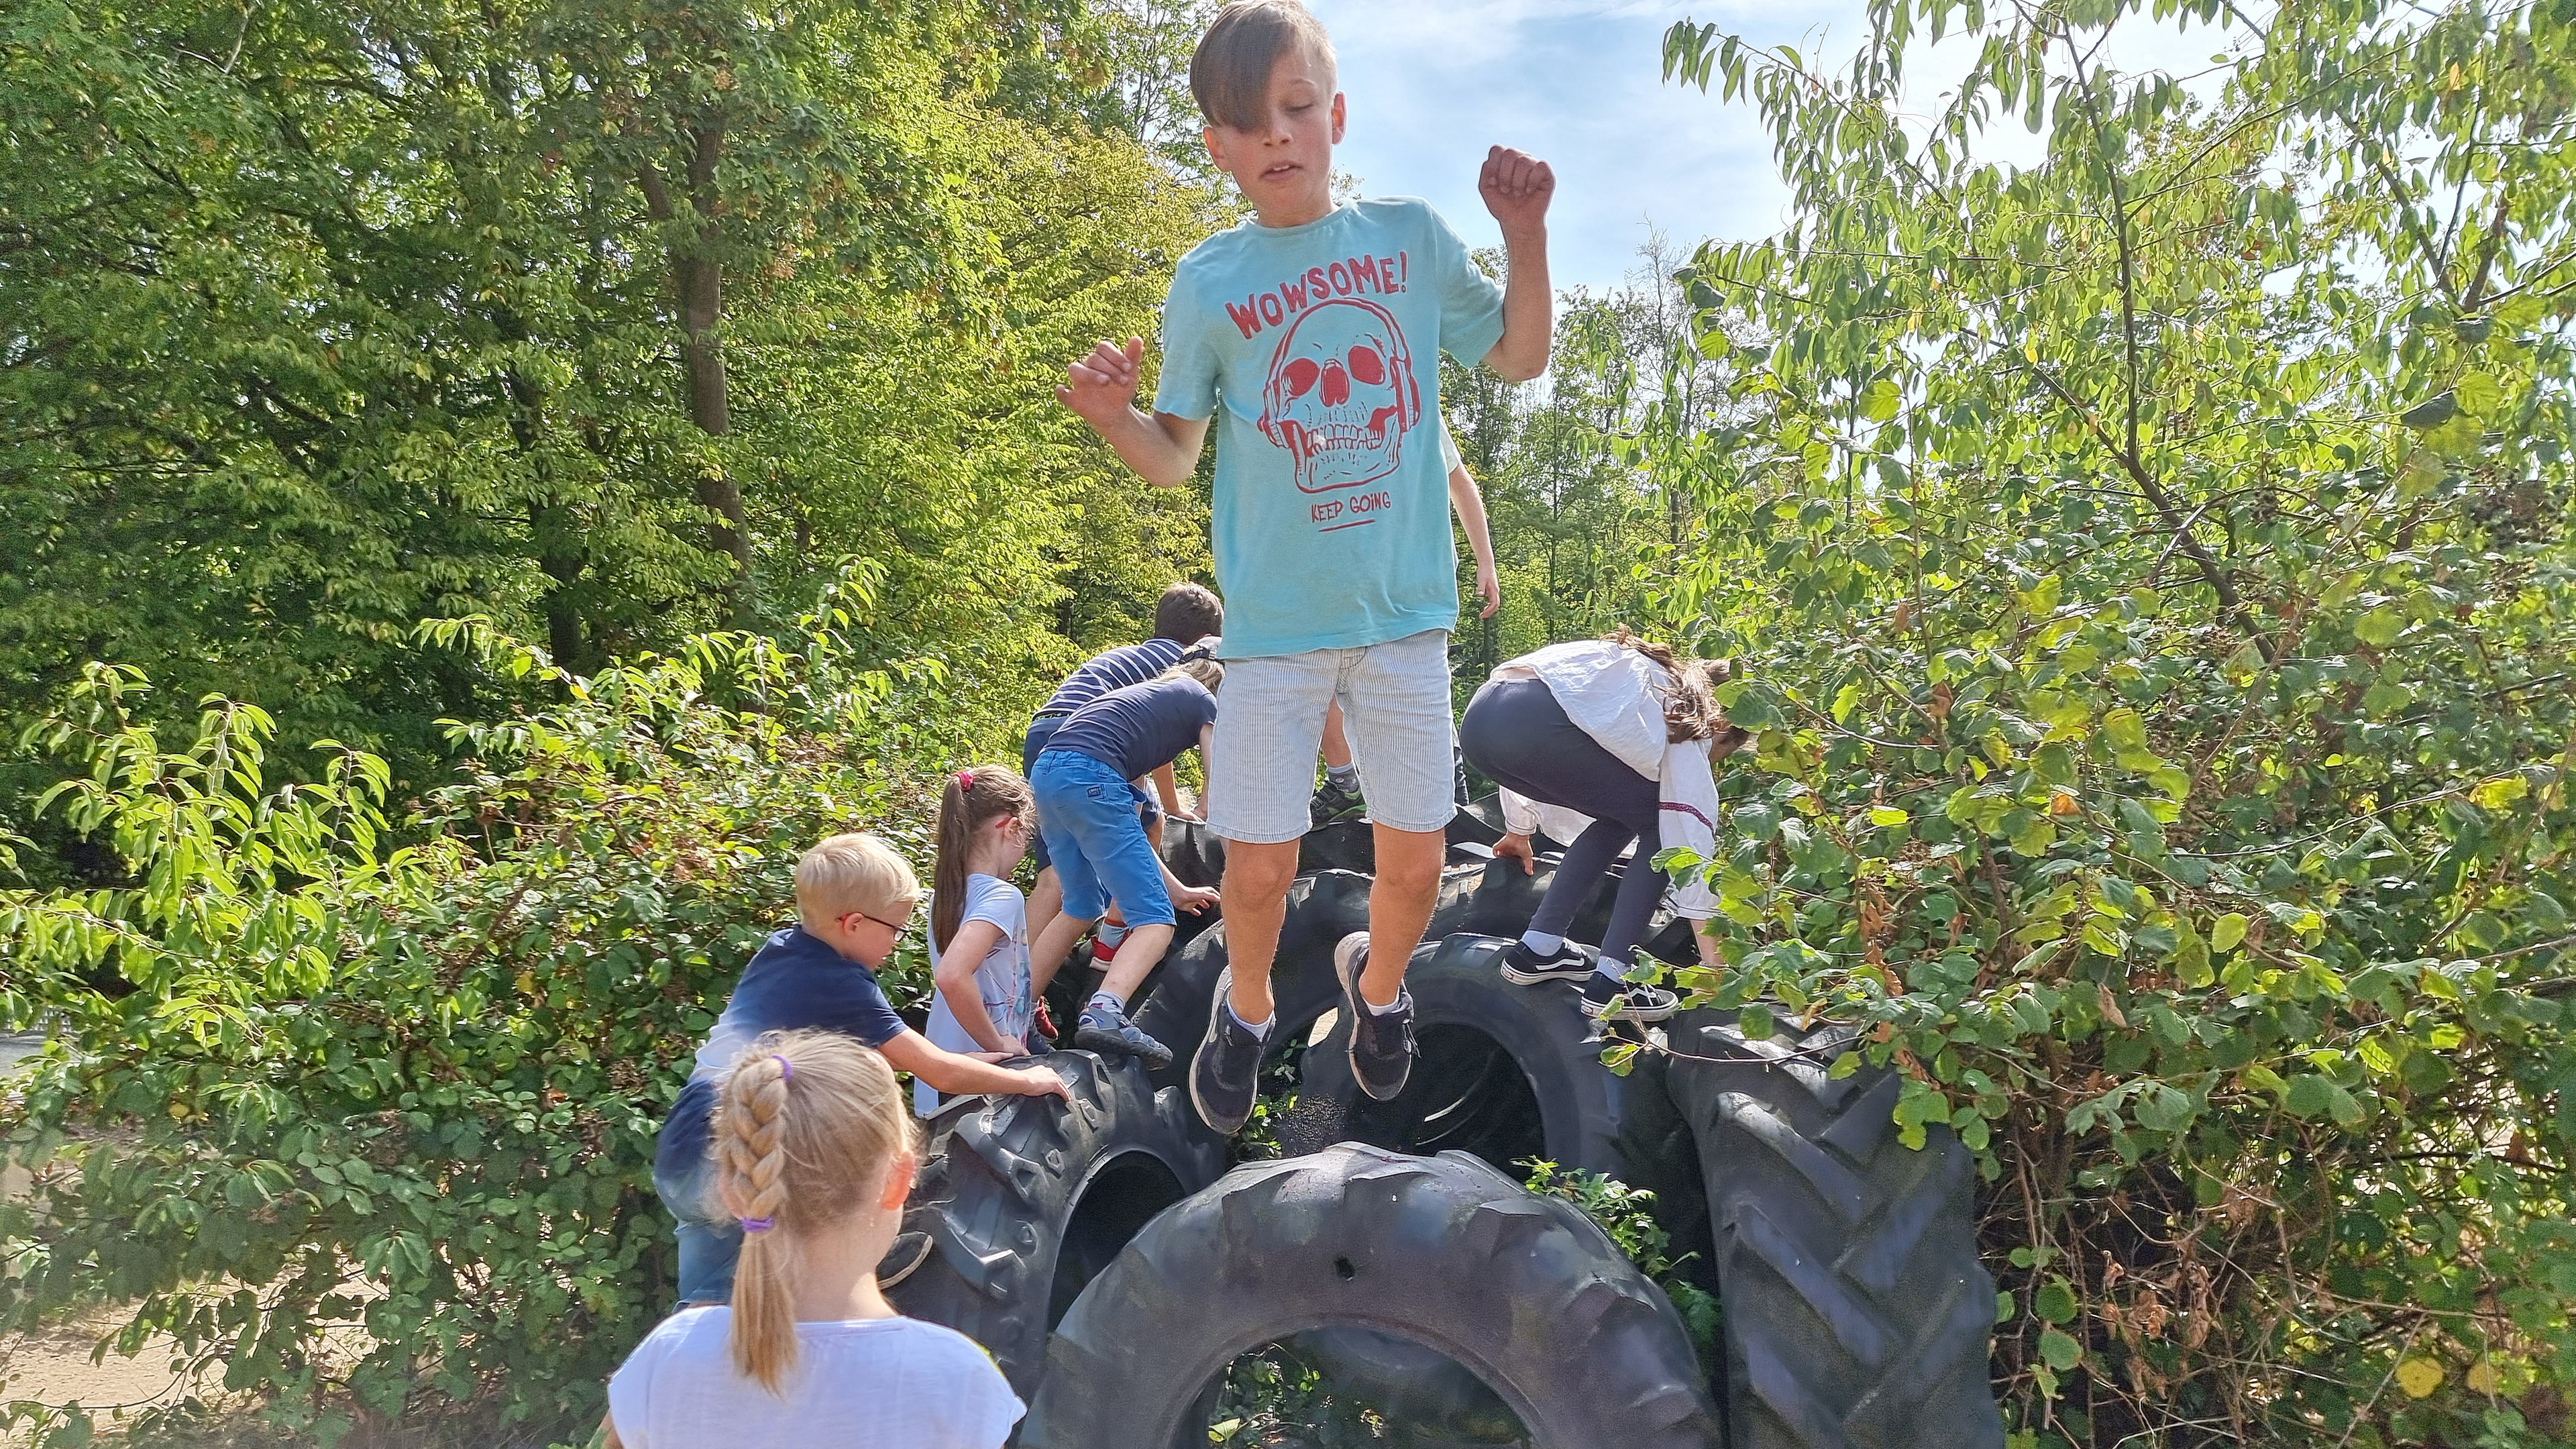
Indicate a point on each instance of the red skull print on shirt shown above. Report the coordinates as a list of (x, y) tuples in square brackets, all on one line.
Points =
[(1341, 395)]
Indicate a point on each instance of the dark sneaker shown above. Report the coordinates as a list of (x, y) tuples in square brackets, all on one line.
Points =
[(1227, 1069), (911, 1250), (1381, 1043), (1111, 1034), (1525, 967), (1332, 803), (1604, 1000)]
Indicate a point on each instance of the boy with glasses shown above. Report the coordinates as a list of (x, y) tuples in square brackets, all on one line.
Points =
[(854, 896)]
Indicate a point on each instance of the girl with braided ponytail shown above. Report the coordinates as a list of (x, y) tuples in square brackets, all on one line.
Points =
[(813, 1156)]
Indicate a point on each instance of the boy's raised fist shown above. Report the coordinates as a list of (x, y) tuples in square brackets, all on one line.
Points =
[(1517, 187), (1102, 382)]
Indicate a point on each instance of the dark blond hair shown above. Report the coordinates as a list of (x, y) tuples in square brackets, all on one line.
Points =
[(807, 1125), (1690, 709), (972, 799), (1209, 673), (1230, 71)]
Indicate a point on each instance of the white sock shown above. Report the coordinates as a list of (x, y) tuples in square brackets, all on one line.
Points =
[(1610, 970), (1544, 945), (1345, 777), (1260, 1030), (1401, 999)]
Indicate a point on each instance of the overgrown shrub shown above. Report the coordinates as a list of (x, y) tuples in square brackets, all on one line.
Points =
[(316, 1068), (2151, 574)]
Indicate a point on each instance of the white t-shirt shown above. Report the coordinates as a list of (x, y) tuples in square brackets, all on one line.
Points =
[(870, 1382), (1002, 978)]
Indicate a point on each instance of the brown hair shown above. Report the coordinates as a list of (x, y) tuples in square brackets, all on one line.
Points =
[(1690, 710), (971, 799), (1187, 613), (807, 1125), (1230, 71)]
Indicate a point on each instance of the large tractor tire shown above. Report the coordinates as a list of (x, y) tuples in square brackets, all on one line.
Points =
[(1027, 1199), (1442, 1252), (1857, 1314)]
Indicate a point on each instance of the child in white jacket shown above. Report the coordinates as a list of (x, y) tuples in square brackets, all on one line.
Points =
[(1619, 733)]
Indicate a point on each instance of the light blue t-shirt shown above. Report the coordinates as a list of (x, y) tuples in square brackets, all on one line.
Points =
[(1317, 348)]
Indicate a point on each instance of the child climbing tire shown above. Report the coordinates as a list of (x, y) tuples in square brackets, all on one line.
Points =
[(1856, 1310), (1026, 1199), (1444, 1252)]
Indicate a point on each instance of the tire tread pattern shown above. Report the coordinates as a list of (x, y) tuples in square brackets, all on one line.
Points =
[(1857, 1313)]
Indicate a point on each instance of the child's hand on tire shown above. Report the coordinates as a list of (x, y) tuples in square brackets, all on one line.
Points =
[(1041, 1082), (1517, 847), (1195, 899)]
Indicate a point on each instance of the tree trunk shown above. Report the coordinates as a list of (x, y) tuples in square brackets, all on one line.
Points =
[(699, 280)]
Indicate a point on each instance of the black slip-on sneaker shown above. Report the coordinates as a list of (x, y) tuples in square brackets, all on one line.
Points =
[(1381, 1042)]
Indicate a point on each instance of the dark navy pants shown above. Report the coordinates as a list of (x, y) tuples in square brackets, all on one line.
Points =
[(1517, 733)]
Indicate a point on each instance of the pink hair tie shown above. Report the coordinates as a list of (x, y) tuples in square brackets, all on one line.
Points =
[(757, 1225), (784, 1070), (965, 780)]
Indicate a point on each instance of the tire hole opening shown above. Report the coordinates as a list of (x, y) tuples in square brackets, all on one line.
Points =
[(1342, 1269), (1121, 1198), (1466, 1094), (1343, 1385)]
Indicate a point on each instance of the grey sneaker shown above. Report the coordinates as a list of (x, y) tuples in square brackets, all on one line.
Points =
[(1332, 803), (1381, 1043), (1604, 1000), (1111, 1034), (1522, 966), (1227, 1069)]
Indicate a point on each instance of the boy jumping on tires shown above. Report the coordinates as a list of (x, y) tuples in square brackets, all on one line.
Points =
[(1313, 334)]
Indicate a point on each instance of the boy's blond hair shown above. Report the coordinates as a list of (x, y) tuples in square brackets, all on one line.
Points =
[(1230, 70), (853, 872)]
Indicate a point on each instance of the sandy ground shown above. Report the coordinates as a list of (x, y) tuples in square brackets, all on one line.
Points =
[(55, 1367)]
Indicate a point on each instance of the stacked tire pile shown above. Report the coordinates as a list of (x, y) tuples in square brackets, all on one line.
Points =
[(1101, 1251)]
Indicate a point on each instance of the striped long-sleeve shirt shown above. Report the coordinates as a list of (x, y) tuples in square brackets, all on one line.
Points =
[(1113, 669)]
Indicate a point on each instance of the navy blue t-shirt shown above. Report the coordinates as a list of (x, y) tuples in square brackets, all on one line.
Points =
[(795, 981), (1113, 669), (1139, 729)]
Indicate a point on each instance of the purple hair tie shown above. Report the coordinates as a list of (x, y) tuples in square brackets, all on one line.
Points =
[(784, 1070), (757, 1225)]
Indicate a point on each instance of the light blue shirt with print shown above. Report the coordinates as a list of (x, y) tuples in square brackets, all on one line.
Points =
[(1317, 349)]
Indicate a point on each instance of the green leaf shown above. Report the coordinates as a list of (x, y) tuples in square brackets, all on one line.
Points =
[(2059, 1349), (2055, 1302), (2227, 932), (1887, 815)]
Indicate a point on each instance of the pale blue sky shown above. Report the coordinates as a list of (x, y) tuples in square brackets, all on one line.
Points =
[(1432, 83)]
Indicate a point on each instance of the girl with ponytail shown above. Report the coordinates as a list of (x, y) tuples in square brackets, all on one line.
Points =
[(979, 921), (814, 1156)]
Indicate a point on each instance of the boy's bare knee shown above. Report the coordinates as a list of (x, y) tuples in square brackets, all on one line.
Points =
[(1259, 872)]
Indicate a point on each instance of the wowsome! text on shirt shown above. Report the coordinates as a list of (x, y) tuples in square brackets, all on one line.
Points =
[(1382, 275)]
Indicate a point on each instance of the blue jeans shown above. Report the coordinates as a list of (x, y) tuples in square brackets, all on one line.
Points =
[(1032, 745), (710, 1240), (1087, 813)]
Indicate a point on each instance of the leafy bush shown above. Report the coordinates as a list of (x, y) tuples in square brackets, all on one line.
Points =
[(315, 1069), (1627, 1214), (2152, 576)]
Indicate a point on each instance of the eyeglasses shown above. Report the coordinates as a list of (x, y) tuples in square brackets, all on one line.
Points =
[(894, 926)]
